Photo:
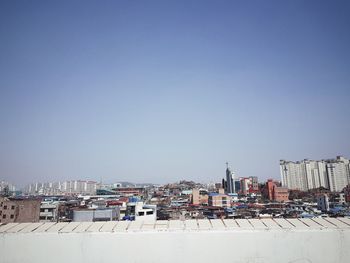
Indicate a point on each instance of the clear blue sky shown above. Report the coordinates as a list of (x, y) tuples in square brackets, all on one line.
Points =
[(158, 91)]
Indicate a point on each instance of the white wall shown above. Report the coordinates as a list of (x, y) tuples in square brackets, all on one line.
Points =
[(253, 246)]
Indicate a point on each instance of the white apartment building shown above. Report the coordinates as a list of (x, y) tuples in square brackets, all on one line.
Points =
[(338, 173), (316, 174), (68, 187), (333, 174), (4, 185), (293, 175)]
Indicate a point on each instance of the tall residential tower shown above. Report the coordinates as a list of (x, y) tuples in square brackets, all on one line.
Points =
[(333, 174)]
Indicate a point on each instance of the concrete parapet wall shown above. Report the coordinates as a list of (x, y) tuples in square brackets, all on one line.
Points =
[(253, 241)]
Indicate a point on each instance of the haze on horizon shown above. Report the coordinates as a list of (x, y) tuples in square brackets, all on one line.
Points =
[(158, 91)]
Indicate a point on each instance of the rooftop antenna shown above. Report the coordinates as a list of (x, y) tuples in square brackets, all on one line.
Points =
[(227, 165)]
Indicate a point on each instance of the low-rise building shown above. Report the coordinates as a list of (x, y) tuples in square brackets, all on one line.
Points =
[(275, 192), (346, 191), (48, 212), (93, 215), (141, 212), (323, 202), (19, 210), (129, 191), (221, 200), (280, 194), (249, 185), (199, 197)]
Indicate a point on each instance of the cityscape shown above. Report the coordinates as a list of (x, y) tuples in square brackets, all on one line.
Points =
[(307, 189), (152, 131)]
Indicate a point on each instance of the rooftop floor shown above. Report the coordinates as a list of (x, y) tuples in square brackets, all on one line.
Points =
[(177, 225)]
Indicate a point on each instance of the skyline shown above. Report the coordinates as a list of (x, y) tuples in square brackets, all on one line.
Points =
[(158, 92), (211, 181)]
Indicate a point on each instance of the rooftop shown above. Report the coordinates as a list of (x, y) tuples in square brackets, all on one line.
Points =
[(320, 240), (178, 225)]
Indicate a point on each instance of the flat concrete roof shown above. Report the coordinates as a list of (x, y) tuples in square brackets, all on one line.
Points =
[(340, 223)]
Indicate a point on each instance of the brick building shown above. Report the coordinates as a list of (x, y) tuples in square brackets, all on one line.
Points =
[(19, 210), (346, 191), (276, 192)]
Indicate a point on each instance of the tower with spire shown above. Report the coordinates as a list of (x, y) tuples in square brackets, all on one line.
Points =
[(229, 184)]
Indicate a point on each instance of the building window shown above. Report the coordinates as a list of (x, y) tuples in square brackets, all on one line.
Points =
[(4, 216), (12, 216), (5, 207), (12, 207)]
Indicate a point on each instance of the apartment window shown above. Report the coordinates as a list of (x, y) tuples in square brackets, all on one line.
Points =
[(5, 207), (4, 216), (12, 216), (13, 207)]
